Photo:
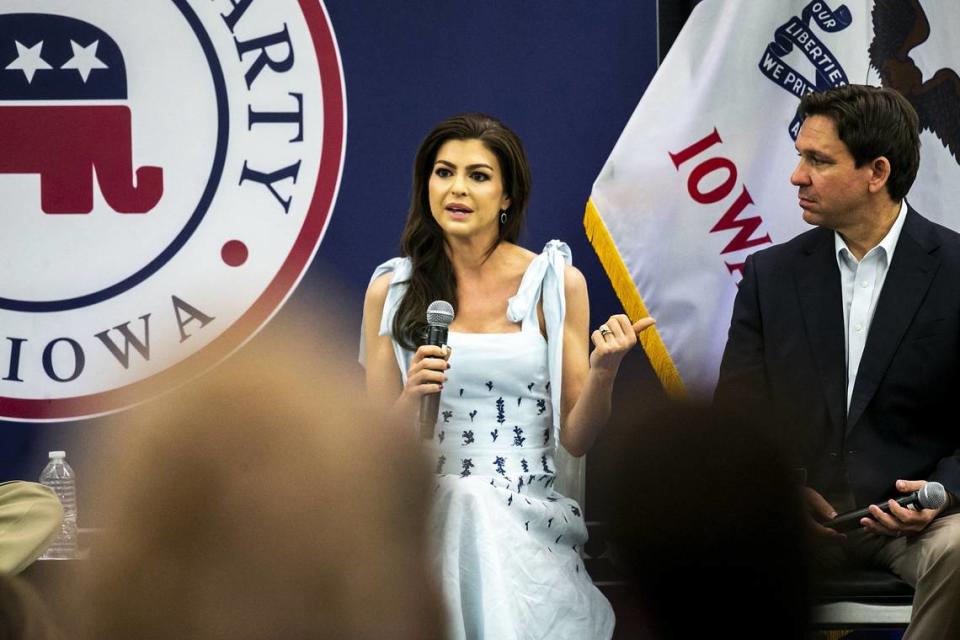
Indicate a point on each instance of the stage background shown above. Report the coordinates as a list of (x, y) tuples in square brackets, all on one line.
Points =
[(566, 76)]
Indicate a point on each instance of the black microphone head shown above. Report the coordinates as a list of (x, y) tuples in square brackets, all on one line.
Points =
[(440, 312), (932, 496)]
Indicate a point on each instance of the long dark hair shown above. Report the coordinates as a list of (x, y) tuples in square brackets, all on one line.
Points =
[(422, 240)]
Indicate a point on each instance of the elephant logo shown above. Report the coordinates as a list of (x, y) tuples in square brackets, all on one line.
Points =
[(226, 124), (62, 115)]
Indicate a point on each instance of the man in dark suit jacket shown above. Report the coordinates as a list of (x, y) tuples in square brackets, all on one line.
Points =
[(850, 335)]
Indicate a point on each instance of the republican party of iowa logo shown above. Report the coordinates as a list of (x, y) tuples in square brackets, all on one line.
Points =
[(167, 171)]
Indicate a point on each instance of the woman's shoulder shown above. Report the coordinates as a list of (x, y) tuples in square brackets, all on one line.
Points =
[(556, 253), (395, 271), (378, 287), (551, 268), (574, 283), (555, 256), (553, 251), (516, 258), (399, 264)]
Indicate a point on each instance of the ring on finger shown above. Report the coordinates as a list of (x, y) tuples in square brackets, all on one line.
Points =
[(604, 330)]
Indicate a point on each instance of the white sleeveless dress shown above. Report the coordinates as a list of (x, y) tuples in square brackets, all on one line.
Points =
[(506, 545)]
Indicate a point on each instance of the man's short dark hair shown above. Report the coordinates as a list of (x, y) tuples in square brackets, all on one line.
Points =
[(873, 122)]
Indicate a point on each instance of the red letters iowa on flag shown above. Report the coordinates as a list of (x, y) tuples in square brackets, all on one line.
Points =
[(700, 176)]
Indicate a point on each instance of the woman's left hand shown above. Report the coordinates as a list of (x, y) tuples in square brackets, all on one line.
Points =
[(613, 339)]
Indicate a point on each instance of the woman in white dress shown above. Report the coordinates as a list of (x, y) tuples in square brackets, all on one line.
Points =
[(517, 379)]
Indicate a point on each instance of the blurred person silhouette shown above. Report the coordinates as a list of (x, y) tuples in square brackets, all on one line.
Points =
[(23, 615), (30, 516), (261, 501), (708, 526)]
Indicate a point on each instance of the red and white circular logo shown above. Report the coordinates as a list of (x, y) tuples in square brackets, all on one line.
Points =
[(167, 171)]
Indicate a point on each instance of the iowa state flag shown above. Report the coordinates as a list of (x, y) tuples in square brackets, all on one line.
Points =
[(700, 176)]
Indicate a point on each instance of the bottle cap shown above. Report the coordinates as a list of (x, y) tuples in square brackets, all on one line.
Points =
[(58, 454)]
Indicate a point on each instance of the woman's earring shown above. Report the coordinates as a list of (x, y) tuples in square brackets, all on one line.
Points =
[(503, 216)]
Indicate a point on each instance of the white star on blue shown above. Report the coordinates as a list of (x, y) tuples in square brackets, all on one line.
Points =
[(84, 59), (28, 60)]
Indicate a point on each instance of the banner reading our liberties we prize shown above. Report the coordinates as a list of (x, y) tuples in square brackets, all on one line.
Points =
[(700, 177)]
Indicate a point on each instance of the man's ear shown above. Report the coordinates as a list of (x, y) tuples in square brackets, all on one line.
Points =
[(879, 174)]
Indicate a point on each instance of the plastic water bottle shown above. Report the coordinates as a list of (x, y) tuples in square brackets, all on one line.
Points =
[(60, 477)]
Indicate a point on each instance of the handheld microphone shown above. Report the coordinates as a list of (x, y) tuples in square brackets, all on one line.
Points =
[(439, 317), (931, 496)]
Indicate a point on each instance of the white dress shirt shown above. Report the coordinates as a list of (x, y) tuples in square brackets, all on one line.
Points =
[(860, 284)]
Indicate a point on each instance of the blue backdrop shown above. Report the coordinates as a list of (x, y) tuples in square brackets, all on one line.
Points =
[(564, 75)]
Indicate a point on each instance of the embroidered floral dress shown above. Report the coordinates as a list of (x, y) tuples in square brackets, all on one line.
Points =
[(505, 543)]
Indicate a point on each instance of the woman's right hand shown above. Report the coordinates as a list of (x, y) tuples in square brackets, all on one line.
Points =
[(426, 374)]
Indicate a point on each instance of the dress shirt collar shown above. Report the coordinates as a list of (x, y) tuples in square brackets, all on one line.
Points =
[(888, 244)]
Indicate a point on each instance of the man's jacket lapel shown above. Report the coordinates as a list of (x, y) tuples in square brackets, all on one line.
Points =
[(818, 285), (914, 264)]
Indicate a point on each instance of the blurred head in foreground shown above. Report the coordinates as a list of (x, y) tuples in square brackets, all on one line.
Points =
[(709, 525), (264, 499)]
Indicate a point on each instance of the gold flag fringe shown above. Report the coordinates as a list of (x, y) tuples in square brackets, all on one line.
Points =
[(632, 302)]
